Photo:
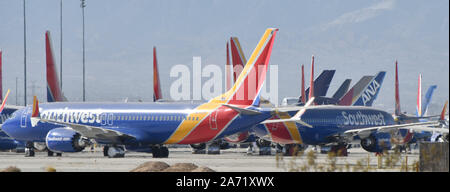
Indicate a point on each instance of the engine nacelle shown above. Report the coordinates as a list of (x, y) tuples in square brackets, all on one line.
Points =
[(238, 137), (376, 143), (65, 140)]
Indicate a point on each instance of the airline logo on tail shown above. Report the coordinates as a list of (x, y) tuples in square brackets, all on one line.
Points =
[(214, 117), (238, 57), (370, 92), (247, 87), (54, 93)]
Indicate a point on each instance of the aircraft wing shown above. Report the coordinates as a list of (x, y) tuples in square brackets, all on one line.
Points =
[(422, 126), (91, 132)]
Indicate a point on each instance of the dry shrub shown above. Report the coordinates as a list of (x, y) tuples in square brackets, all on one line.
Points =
[(11, 169)]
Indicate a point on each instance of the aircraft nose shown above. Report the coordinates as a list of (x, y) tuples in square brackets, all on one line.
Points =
[(10, 127)]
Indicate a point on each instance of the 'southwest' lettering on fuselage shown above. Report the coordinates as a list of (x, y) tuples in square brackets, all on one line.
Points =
[(362, 119)]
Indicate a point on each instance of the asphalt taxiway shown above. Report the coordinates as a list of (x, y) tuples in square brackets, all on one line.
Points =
[(230, 160)]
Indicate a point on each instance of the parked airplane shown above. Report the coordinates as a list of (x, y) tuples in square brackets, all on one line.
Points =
[(68, 126), (6, 142), (340, 125), (54, 94), (289, 134)]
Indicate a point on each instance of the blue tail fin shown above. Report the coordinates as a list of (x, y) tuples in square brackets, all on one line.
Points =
[(370, 93), (321, 84), (428, 96)]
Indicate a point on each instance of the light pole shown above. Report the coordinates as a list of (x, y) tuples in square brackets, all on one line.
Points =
[(60, 49), (84, 88), (24, 55)]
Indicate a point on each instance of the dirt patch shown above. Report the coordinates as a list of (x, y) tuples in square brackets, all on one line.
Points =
[(152, 166), (181, 167), (158, 166), (203, 169)]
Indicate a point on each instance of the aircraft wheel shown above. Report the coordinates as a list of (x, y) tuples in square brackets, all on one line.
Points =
[(105, 151)]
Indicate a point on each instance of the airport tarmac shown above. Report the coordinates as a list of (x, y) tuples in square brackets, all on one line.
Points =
[(230, 160)]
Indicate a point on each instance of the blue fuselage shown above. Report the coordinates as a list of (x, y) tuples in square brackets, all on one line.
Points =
[(331, 121), (149, 123)]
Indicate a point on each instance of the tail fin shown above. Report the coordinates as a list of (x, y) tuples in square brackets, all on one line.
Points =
[(157, 95), (350, 97), (419, 98), (370, 92), (311, 80), (397, 93), (227, 71), (303, 96), (238, 57), (4, 101), (442, 118), (342, 89), (322, 83), (1, 78), (54, 93), (428, 96), (247, 88), (35, 111)]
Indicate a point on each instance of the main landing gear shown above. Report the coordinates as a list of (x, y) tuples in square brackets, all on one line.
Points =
[(29, 149), (160, 151)]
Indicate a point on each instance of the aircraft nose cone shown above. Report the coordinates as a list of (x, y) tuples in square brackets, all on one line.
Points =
[(9, 128)]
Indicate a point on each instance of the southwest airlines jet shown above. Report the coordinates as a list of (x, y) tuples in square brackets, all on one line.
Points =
[(69, 126)]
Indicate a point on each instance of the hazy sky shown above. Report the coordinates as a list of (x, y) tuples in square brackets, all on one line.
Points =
[(354, 37)]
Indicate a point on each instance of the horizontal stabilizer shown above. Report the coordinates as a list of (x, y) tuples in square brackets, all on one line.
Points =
[(296, 117), (242, 110)]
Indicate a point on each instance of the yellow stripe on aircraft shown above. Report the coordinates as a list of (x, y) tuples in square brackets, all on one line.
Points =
[(187, 125)]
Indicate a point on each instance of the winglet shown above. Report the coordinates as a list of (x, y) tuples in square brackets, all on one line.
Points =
[(443, 111), (4, 101)]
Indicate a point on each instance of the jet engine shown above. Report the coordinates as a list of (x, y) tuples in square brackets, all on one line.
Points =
[(65, 140), (376, 142)]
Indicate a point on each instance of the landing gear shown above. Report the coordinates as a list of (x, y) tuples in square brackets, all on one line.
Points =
[(159, 151), (264, 147), (339, 149), (113, 151), (50, 153), (293, 149), (29, 149)]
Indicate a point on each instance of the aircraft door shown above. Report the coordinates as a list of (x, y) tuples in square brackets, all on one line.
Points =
[(23, 118), (213, 120), (103, 117), (110, 119)]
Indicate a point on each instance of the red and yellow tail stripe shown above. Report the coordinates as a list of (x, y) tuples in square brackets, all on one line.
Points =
[(238, 57), (156, 85), (213, 117), (284, 132)]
